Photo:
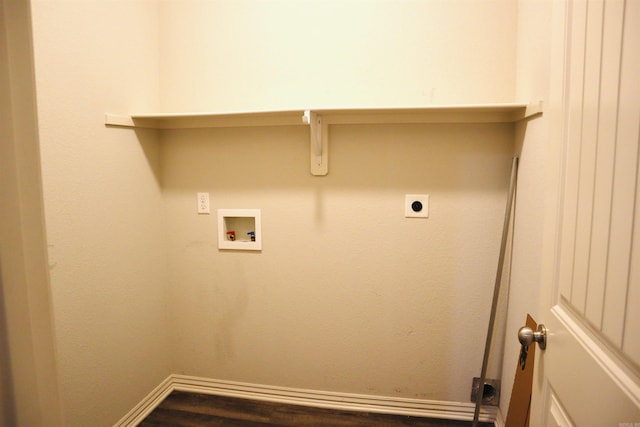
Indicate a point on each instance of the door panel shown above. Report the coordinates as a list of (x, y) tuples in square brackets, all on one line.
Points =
[(585, 377), (558, 416), (589, 374), (601, 170)]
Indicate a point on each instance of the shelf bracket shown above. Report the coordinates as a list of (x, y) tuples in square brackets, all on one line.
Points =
[(318, 143)]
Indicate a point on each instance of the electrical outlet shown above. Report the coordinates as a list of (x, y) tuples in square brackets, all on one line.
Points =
[(416, 206), (203, 203)]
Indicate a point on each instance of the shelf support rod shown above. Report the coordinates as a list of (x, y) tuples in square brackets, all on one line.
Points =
[(318, 145)]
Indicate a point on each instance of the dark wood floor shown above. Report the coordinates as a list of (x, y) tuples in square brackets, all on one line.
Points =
[(183, 409)]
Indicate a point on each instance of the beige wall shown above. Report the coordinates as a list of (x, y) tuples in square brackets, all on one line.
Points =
[(534, 178), (229, 55), (347, 295), (103, 203)]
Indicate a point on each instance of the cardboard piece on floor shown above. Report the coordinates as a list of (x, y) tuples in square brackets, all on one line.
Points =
[(520, 404)]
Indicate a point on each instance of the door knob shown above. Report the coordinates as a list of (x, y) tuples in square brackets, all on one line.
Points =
[(527, 336)]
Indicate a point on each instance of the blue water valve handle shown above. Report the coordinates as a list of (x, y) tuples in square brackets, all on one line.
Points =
[(252, 235)]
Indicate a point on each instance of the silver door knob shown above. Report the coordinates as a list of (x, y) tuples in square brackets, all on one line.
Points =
[(527, 336)]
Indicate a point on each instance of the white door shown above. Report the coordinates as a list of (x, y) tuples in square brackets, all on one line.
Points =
[(589, 375)]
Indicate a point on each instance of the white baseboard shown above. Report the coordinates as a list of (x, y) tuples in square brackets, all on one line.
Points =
[(147, 405), (322, 399)]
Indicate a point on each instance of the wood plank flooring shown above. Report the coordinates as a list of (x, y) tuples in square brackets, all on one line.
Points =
[(182, 409)]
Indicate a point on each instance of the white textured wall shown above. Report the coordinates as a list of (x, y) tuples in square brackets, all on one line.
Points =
[(246, 54), (103, 203), (534, 179), (347, 294)]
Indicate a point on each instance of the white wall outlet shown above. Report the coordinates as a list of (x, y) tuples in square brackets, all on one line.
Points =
[(416, 206), (203, 203)]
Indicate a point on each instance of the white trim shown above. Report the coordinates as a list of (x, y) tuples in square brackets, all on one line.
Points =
[(610, 361), (147, 405), (118, 120), (455, 113), (557, 413), (315, 398), (319, 120)]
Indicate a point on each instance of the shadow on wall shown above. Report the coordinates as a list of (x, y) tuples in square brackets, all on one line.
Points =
[(451, 157), (347, 294), (7, 412), (149, 140)]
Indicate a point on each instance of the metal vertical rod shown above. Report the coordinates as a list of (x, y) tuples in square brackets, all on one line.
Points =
[(496, 289)]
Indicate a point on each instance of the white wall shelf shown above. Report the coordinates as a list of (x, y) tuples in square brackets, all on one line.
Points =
[(319, 120)]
